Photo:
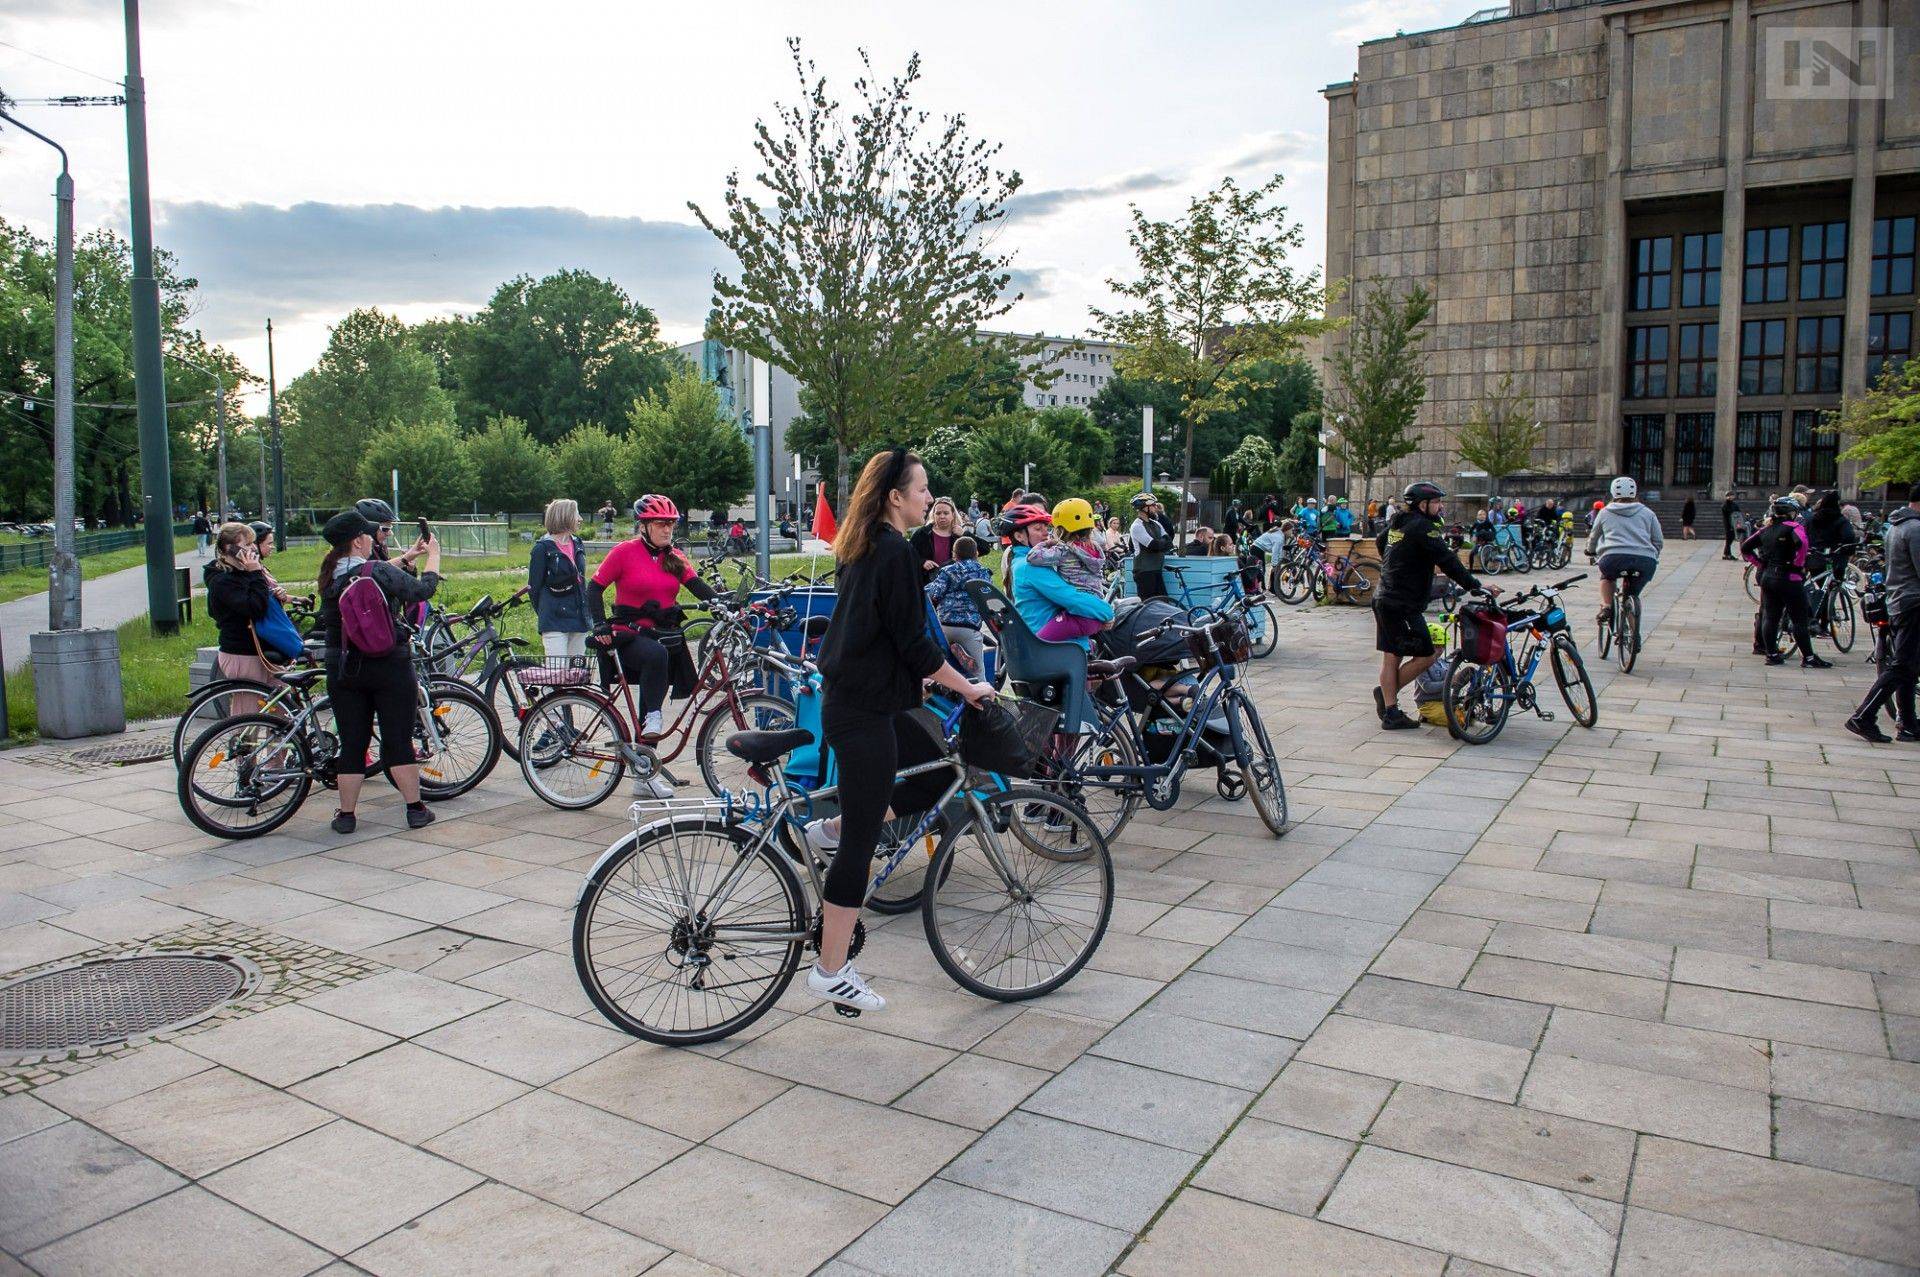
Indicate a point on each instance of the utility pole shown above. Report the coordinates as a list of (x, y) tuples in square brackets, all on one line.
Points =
[(279, 458), (149, 378), (760, 397), (1146, 447)]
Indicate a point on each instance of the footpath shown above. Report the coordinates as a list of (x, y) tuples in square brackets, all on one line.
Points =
[(105, 602)]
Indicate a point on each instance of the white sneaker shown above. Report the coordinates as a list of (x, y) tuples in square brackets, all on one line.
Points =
[(817, 837), (846, 988), (654, 725), (655, 786)]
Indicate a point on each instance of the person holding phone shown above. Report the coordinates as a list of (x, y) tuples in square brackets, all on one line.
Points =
[(238, 593)]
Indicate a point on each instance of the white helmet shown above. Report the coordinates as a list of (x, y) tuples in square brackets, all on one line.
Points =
[(1623, 489)]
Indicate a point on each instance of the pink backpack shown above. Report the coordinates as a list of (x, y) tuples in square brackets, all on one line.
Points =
[(366, 621)]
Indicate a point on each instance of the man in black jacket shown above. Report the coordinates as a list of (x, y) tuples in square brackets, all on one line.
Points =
[(1411, 548), (1728, 509)]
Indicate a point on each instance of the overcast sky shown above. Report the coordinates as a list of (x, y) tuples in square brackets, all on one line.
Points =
[(412, 154)]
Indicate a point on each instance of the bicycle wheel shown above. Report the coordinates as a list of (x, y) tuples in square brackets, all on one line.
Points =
[(1290, 582), (572, 750), (721, 771), (465, 742), (1477, 700), (510, 700), (1747, 583), (1626, 644), (1562, 555), (1258, 765), (1363, 582), (244, 777), (1088, 780), (686, 931), (1841, 627), (212, 703), (1318, 583), (1018, 902), (1576, 689), (1492, 562), (1263, 626)]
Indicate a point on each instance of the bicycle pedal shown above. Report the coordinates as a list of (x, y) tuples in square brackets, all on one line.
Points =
[(1546, 715), (852, 1013)]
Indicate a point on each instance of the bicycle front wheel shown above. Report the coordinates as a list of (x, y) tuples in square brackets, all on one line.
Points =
[(1477, 700), (1263, 627), (464, 742), (687, 931), (572, 750), (1018, 902), (1258, 764), (1747, 583), (1840, 619), (1290, 582), (1570, 673), (1364, 582), (510, 700), (722, 772), (244, 777), (1562, 555)]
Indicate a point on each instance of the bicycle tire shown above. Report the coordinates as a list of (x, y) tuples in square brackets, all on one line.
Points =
[(1626, 644), (444, 774), (1477, 701), (571, 718), (191, 787), (950, 911), (1569, 672), (1842, 627), (1319, 585), (785, 905), (1747, 583), (1367, 581), (1268, 637), (720, 770), (509, 701), (1562, 555), (1290, 583), (1492, 563), (1109, 802), (191, 722), (1259, 766)]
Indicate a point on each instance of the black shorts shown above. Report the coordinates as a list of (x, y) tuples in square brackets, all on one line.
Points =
[(1401, 631)]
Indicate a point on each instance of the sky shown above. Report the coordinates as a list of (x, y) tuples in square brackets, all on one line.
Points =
[(413, 154)]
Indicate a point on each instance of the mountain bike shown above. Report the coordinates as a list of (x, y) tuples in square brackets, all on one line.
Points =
[(1344, 580), (1620, 627), (1480, 694), (691, 927), (1299, 567)]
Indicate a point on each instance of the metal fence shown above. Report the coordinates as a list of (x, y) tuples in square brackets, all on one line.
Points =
[(38, 553)]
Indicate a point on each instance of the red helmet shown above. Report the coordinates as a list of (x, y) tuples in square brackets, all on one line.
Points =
[(1014, 518), (1599, 505), (654, 506)]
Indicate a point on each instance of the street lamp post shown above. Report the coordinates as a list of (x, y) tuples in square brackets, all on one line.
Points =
[(1146, 446), (1026, 476)]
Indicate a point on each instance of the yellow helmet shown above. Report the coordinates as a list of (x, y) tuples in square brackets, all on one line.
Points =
[(1073, 515)]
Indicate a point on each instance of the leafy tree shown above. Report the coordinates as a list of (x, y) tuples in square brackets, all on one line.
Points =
[(865, 266), (516, 470), (1116, 409), (371, 377), (1214, 302), (945, 455), (1089, 446), (1253, 460), (999, 452), (593, 468), (682, 443), (1379, 380), (1885, 424), (437, 477), (555, 352), (1503, 434), (1299, 455)]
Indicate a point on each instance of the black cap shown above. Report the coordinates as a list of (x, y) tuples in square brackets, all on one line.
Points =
[(342, 528)]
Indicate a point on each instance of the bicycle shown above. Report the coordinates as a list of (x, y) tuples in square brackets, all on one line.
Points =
[(691, 927), (1300, 566), (1620, 626), (1262, 622), (1836, 607), (1342, 579), (1479, 694)]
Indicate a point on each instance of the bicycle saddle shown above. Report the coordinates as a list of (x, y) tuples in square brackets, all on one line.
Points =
[(760, 748), (302, 678), (1111, 669)]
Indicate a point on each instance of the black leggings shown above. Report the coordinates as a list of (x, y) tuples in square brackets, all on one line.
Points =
[(869, 748), (1788, 601), (1899, 665), (1149, 583), (362, 691), (644, 660)]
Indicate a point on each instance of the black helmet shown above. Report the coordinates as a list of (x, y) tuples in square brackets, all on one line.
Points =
[(1422, 491), (374, 510), (1786, 508), (261, 531)]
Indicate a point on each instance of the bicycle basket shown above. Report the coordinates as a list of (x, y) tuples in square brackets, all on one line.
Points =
[(1483, 635), (1224, 641), (555, 671), (1009, 737)]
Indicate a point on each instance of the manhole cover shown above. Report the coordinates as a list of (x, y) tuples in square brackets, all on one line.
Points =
[(125, 753), (115, 998)]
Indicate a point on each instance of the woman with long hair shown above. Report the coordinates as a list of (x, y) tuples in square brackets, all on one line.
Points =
[(238, 591), (876, 655)]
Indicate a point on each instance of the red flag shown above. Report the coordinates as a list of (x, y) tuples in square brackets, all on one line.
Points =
[(823, 524)]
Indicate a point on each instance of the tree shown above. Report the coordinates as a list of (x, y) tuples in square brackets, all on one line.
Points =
[(1379, 382), (1252, 466), (515, 470), (1299, 455), (1503, 434), (680, 442), (370, 378), (945, 456), (566, 349), (1214, 302), (999, 452), (1088, 445), (592, 467), (865, 266), (1116, 409), (437, 477), (1885, 424)]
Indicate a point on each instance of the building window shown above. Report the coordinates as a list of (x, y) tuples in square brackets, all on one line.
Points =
[(1700, 269), (1698, 370), (1892, 271), (1813, 450), (1763, 344), (1889, 340), (1816, 355), (1653, 273), (1756, 450), (1692, 449), (1823, 261), (1647, 363), (1644, 452), (1766, 270)]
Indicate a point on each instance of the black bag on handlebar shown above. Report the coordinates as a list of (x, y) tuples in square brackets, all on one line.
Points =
[(1012, 742)]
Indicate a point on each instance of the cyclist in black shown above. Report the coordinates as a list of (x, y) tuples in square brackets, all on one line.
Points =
[(1412, 546)]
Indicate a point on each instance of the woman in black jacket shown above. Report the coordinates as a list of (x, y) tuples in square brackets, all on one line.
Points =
[(237, 592), (933, 543), (876, 655)]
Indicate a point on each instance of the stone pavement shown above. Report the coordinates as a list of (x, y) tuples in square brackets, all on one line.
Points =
[(1644, 998)]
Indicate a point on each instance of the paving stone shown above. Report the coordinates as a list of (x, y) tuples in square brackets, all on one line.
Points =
[(1207, 1233), (1456, 1011), (209, 1120), (949, 1230), (1279, 1166), (1348, 902), (1101, 995), (400, 1002), (1856, 1081), (814, 1052), (409, 1093), (740, 1215), (1183, 1113), (1545, 982), (1782, 1019), (1042, 1041), (1865, 924), (943, 1017), (69, 1177), (1847, 1213), (973, 1091), (1724, 1116), (1093, 1175), (1844, 1139), (1139, 956), (1671, 927), (1264, 1008), (436, 902), (1577, 949), (1653, 1244), (1880, 956), (190, 1231), (877, 1152), (524, 1042), (1425, 962), (1195, 1048), (1585, 864), (1330, 1101), (569, 1153), (1474, 1067), (1492, 1218), (286, 1044), (495, 1229), (118, 1079), (1246, 958), (1522, 1143), (1777, 979), (1503, 906), (675, 1091), (1194, 926), (1452, 929), (1670, 1049), (1308, 930)]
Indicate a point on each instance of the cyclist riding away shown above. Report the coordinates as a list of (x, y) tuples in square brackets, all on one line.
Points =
[(1411, 548), (1626, 537)]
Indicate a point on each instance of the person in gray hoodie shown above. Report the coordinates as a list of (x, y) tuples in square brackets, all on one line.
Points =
[(1626, 537), (1900, 664)]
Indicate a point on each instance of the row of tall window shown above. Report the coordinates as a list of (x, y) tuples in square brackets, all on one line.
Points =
[(1689, 367), (1769, 263), (1812, 457)]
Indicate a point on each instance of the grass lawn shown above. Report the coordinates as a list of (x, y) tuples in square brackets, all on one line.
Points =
[(21, 582)]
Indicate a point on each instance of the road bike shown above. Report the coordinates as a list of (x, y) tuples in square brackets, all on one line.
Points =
[(691, 927), (1481, 692)]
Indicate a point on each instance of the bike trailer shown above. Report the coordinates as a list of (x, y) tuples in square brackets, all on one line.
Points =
[(1483, 635), (1133, 617)]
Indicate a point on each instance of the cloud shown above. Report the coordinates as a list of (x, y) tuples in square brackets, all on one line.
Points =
[(1032, 284), (255, 260), (1272, 149), (1047, 203)]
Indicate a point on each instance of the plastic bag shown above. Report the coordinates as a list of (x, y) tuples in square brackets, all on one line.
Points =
[(995, 738)]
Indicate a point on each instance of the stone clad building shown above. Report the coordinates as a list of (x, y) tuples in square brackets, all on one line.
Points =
[(1679, 224)]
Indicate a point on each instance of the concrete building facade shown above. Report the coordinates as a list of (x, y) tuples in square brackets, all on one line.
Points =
[(1084, 366), (1636, 208)]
